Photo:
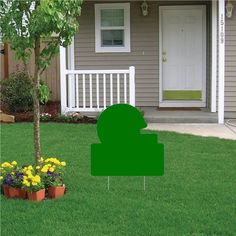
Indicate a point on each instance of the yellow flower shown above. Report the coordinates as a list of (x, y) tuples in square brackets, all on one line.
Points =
[(44, 170), (14, 163), (5, 164), (37, 167), (63, 163), (34, 183), (28, 172), (30, 176), (25, 178), (1, 177), (30, 168), (36, 179), (12, 173), (26, 183), (57, 162), (51, 169)]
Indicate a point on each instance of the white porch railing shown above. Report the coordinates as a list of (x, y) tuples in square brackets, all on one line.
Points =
[(95, 90)]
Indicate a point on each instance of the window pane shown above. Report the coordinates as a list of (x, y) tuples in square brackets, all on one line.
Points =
[(112, 37), (112, 17)]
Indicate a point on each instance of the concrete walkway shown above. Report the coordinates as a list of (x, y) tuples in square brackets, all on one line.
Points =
[(207, 130)]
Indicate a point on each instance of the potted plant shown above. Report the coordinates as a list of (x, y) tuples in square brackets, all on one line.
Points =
[(7, 171), (34, 185), (16, 187), (53, 173), (57, 188), (7, 181), (19, 189)]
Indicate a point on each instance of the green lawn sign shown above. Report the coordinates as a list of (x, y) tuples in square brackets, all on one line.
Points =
[(124, 150)]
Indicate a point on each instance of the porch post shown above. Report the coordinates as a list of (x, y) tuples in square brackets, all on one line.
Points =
[(71, 66), (221, 61), (132, 85), (213, 55), (63, 78), (71, 55)]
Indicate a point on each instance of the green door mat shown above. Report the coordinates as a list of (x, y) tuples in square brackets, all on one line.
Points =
[(182, 95)]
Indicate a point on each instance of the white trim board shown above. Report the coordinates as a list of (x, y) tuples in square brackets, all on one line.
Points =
[(63, 79), (213, 55), (176, 103), (221, 61)]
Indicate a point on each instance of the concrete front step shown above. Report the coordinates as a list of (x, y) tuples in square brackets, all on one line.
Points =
[(153, 116), (180, 120)]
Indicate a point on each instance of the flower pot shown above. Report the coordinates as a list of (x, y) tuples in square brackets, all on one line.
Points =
[(6, 190), (21, 193), (56, 191), (13, 192), (37, 196)]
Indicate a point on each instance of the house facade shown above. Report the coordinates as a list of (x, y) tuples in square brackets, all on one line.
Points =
[(177, 54), (162, 55)]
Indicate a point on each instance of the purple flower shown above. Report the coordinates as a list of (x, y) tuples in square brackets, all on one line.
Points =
[(51, 174), (8, 180), (19, 175)]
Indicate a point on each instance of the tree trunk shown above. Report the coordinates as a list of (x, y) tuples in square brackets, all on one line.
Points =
[(36, 80)]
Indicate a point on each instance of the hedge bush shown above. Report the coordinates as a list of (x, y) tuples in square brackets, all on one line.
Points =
[(16, 92)]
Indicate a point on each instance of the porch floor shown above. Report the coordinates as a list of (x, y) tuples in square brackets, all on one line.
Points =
[(153, 115)]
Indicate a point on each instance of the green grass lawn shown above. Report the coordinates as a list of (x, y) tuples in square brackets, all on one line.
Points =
[(196, 196)]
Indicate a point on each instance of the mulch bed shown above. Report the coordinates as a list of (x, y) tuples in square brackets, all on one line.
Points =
[(52, 108)]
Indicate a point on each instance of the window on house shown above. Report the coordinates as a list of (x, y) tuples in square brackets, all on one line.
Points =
[(112, 27)]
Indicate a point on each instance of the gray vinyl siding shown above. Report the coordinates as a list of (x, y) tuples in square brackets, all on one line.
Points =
[(230, 67)]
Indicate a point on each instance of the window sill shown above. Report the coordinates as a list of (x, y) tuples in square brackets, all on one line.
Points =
[(112, 50)]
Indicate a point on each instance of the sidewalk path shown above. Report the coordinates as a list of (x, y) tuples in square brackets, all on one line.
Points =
[(207, 130)]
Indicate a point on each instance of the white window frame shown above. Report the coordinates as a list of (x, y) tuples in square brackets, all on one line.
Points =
[(98, 27)]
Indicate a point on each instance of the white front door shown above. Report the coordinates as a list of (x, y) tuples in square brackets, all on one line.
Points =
[(182, 56)]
